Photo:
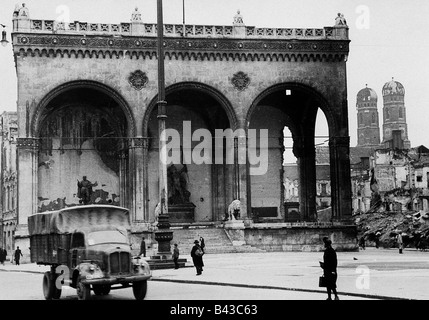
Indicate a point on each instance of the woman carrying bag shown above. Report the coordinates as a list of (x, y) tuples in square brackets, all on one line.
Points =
[(329, 266)]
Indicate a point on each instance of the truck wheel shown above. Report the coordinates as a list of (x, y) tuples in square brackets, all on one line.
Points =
[(101, 289), (140, 289), (50, 290), (83, 290), (48, 286), (106, 289)]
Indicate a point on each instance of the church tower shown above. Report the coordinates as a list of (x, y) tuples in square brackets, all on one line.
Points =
[(395, 131), (367, 117)]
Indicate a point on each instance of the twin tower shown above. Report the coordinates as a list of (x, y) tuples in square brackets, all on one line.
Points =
[(395, 131)]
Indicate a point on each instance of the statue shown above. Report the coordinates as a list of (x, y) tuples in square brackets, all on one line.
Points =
[(177, 185), (136, 15), (234, 210), (340, 20), (23, 12), (16, 10), (84, 190), (157, 213), (238, 19)]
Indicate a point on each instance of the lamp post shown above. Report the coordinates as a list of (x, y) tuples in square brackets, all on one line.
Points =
[(163, 235), (3, 41)]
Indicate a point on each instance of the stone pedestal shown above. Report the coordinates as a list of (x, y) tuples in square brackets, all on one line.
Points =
[(235, 231), (181, 213), (234, 224)]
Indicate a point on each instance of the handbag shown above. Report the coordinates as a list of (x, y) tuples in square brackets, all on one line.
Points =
[(322, 282), (198, 252)]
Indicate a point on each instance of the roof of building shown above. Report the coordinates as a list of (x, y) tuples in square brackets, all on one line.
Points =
[(366, 94), (393, 87)]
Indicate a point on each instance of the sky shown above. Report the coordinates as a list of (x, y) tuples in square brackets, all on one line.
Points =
[(389, 39)]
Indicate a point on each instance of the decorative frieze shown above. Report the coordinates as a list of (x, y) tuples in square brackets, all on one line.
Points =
[(27, 143), (180, 48)]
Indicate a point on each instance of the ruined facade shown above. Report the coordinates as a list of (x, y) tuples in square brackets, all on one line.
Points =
[(87, 102)]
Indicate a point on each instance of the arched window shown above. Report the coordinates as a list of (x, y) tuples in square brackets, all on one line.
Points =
[(401, 113)]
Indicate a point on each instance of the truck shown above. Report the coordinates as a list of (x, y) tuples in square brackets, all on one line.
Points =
[(87, 248)]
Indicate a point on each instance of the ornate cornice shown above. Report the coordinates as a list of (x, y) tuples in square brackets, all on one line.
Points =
[(52, 45)]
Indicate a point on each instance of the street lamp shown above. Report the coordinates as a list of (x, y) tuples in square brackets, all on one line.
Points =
[(3, 41), (164, 235)]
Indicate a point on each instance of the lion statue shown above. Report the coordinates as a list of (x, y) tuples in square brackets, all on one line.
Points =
[(234, 210)]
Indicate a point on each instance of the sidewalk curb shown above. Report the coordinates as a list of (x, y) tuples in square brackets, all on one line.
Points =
[(370, 296)]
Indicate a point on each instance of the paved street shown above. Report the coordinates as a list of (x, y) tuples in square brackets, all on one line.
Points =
[(28, 286), (369, 274)]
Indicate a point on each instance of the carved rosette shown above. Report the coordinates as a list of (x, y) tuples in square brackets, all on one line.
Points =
[(240, 81), (138, 79)]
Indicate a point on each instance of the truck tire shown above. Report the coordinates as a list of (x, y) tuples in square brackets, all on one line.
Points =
[(101, 289), (50, 290), (83, 290), (140, 289)]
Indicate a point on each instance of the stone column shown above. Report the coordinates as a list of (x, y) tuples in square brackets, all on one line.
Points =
[(123, 177), (306, 155), (27, 154), (137, 178), (341, 195), (241, 174)]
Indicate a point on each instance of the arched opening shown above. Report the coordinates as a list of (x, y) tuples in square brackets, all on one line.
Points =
[(294, 186), (195, 111), (83, 132)]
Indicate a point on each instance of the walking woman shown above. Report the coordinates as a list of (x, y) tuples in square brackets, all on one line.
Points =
[(329, 266)]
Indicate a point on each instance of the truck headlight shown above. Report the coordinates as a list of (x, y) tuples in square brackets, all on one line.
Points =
[(94, 272), (141, 267)]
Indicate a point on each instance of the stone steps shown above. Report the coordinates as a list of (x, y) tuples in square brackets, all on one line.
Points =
[(215, 238)]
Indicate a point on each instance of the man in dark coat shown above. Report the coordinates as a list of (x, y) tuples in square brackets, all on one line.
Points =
[(2, 256), (329, 266), (176, 254), (143, 248), (18, 255), (197, 257)]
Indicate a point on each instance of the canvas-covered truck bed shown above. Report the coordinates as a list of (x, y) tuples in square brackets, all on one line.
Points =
[(50, 232)]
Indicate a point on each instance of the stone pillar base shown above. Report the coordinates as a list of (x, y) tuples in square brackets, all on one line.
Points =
[(235, 231)]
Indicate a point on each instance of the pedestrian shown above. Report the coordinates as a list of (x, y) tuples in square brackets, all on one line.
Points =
[(176, 254), (400, 242), (2, 256), (197, 257), (18, 255), (377, 239), (362, 243), (143, 248), (202, 244), (329, 266)]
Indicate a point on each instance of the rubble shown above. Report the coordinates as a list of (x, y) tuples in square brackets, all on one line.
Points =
[(414, 227)]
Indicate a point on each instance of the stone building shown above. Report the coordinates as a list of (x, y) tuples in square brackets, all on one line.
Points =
[(87, 101), (8, 195)]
